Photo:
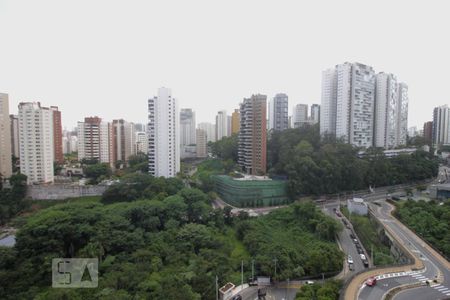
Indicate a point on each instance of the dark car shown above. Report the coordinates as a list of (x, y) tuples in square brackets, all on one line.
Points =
[(262, 292), (352, 236), (237, 297)]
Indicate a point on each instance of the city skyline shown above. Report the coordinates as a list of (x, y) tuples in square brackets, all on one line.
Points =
[(56, 70)]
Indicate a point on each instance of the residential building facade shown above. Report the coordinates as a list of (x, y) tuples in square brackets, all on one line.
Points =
[(95, 140), (441, 130), (36, 142), (253, 135), (123, 141), (187, 127), (402, 108), (57, 135), (201, 143), (14, 123), (363, 108), (278, 112), (141, 143), (221, 125), (315, 114), (163, 134), (5, 138), (328, 103), (210, 130), (300, 115), (386, 111), (428, 132), (235, 121)]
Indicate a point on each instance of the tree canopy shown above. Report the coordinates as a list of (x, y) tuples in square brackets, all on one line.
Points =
[(12, 200), (430, 220), (325, 166), (165, 247)]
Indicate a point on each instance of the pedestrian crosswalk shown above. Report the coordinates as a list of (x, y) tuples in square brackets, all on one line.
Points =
[(391, 275), (441, 288), (419, 276)]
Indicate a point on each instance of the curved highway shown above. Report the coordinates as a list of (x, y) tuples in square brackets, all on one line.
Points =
[(435, 267)]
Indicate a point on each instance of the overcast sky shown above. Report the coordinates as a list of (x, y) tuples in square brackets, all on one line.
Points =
[(106, 58)]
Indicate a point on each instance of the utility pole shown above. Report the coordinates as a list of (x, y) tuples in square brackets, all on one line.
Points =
[(371, 254), (253, 270), (217, 288), (242, 274), (287, 289), (275, 260)]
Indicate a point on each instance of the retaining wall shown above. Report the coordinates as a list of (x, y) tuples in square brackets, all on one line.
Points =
[(63, 191)]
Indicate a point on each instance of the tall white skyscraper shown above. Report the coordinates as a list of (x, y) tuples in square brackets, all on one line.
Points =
[(402, 116), (328, 104), (300, 115), (164, 135), (5, 138), (441, 125), (386, 112), (210, 130), (278, 112), (221, 125), (362, 108), (229, 125), (315, 114), (36, 142), (347, 106), (391, 112), (95, 140), (187, 127)]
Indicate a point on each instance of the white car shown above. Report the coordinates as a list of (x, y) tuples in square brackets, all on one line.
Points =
[(363, 257), (350, 259)]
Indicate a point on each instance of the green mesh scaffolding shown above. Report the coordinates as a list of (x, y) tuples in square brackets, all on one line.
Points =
[(250, 193)]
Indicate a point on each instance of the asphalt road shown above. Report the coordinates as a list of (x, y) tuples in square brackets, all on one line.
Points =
[(433, 268), (347, 244), (273, 293)]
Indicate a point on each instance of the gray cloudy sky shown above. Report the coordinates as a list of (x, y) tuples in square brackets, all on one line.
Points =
[(107, 58)]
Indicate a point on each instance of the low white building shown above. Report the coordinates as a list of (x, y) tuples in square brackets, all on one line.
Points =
[(357, 206), (188, 151)]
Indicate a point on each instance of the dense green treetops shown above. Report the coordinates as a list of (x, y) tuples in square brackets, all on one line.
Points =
[(325, 166), (431, 220), (12, 200), (316, 165), (170, 247)]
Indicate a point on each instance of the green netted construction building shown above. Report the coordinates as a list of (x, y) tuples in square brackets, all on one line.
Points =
[(250, 193)]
